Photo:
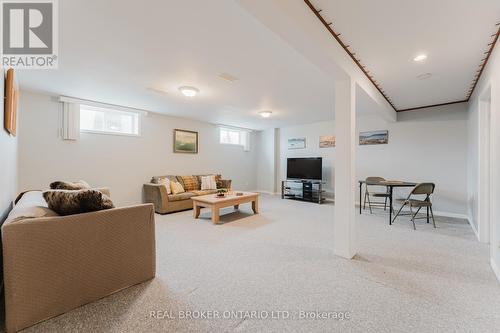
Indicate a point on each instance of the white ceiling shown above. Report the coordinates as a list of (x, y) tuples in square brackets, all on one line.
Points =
[(112, 51), (115, 51), (387, 34)]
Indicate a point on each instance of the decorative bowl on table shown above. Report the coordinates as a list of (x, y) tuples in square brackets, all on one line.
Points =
[(221, 193)]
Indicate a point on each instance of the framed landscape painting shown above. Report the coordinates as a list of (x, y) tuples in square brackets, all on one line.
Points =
[(185, 141), (374, 138), (327, 141), (296, 143)]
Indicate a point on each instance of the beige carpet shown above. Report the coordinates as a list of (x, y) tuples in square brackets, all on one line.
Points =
[(282, 260)]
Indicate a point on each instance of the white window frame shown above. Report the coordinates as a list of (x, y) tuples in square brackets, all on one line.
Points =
[(114, 109), (241, 133)]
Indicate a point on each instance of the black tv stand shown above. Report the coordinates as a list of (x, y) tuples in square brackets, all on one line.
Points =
[(304, 190)]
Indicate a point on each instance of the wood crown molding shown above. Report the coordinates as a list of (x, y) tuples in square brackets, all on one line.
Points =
[(357, 61)]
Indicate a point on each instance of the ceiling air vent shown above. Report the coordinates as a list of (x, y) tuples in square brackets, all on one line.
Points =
[(156, 90), (228, 77)]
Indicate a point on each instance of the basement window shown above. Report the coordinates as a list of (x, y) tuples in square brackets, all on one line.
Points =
[(231, 136), (109, 121)]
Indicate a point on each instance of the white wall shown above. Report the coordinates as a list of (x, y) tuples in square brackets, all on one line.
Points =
[(427, 145), (266, 162), (8, 163), (311, 132), (490, 79), (120, 162)]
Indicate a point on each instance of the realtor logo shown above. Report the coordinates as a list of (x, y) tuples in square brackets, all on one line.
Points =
[(29, 34)]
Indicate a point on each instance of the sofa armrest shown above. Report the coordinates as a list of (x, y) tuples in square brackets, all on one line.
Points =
[(55, 264), (157, 195), (104, 190)]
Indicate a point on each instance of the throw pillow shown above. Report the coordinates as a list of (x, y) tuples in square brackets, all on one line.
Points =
[(176, 188), (208, 183), (218, 178), (190, 183), (67, 202), (60, 185), (165, 182)]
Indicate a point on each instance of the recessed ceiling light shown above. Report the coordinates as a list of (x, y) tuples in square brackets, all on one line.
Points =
[(420, 57), (265, 114), (189, 91), (424, 76)]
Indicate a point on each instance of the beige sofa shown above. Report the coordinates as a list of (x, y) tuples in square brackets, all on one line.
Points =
[(53, 264), (168, 203)]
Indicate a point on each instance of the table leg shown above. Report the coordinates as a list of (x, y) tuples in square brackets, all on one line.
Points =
[(196, 211), (360, 190), (390, 205), (255, 206), (236, 207), (215, 215)]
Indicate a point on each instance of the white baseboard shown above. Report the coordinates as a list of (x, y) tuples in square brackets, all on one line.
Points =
[(265, 192), (454, 215), (473, 227), (495, 268), (441, 213)]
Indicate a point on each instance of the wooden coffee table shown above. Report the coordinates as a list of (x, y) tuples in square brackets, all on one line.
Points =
[(215, 203)]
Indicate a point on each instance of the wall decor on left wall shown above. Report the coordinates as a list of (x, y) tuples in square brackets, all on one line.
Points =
[(185, 141), (11, 99)]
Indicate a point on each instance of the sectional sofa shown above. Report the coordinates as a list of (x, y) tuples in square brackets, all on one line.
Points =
[(164, 203)]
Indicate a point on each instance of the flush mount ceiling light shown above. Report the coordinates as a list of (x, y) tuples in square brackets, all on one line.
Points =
[(265, 114), (420, 57), (189, 91)]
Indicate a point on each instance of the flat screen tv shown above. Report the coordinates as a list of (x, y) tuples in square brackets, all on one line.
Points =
[(304, 168)]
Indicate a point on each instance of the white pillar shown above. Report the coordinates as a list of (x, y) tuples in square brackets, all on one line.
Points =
[(345, 169)]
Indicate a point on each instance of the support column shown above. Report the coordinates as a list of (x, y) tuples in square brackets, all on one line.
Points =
[(345, 169)]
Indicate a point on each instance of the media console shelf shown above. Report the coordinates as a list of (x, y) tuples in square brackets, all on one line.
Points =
[(302, 190)]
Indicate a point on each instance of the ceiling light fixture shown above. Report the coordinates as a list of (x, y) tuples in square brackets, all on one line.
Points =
[(189, 91), (265, 114), (420, 57)]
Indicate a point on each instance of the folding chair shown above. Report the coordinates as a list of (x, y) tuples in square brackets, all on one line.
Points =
[(420, 189)]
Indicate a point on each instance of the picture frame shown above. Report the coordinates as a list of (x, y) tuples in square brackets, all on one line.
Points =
[(374, 137), (11, 102), (185, 142), (327, 141), (296, 143)]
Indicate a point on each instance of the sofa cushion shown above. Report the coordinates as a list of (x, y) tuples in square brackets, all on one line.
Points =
[(156, 179), (61, 185), (224, 183), (30, 205), (180, 196), (190, 183), (67, 202), (208, 183), (176, 187), (165, 182), (204, 192)]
